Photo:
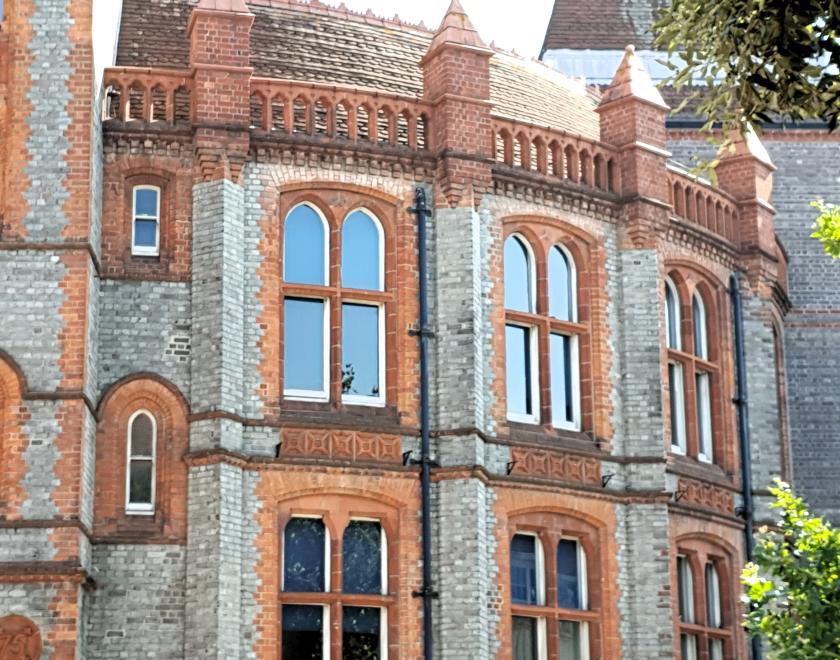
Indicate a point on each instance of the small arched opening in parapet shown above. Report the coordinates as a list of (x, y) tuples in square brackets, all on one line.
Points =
[(342, 120), (384, 125), (182, 103), (136, 102), (572, 163), (257, 111), (586, 168), (323, 117), (423, 131), (600, 172), (363, 115), (158, 110), (278, 114), (300, 116), (403, 128)]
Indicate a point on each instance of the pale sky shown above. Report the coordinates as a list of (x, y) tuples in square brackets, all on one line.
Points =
[(516, 25)]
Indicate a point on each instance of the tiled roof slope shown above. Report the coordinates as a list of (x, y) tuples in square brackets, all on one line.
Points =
[(316, 44), (601, 24)]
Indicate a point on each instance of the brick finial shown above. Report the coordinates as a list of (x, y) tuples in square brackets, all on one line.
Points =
[(632, 116), (745, 171), (456, 81)]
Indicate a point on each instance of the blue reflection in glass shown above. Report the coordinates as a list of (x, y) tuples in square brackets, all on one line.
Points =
[(303, 246), (303, 344), (523, 569), (361, 567), (568, 579), (303, 636), (560, 285), (145, 233), (145, 202), (303, 555), (360, 350), (562, 403), (360, 253), (517, 276), (518, 370)]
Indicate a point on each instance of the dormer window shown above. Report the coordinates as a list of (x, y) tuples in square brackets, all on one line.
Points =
[(145, 221)]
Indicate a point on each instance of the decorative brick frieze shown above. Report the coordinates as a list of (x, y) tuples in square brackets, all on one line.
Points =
[(705, 495), (340, 445), (555, 465)]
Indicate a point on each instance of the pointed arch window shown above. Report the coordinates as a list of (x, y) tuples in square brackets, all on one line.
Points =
[(362, 263), (140, 464), (305, 246)]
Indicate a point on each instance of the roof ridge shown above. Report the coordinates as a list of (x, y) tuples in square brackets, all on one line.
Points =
[(342, 11)]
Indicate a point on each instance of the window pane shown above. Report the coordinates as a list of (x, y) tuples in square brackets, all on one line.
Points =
[(145, 202), (568, 579), (704, 414), (303, 349), (303, 247), (303, 635), (560, 285), (688, 647), (715, 649), (517, 276), (518, 370), (361, 569), (360, 350), (142, 436), (145, 233), (685, 590), (570, 640), (524, 638), (140, 482), (699, 324), (562, 388), (677, 405), (523, 569), (303, 555), (713, 617), (360, 268), (360, 633), (672, 323)]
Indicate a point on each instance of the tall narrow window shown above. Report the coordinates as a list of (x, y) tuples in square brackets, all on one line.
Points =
[(714, 618), (698, 317), (521, 365), (672, 316), (362, 555), (685, 595), (305, 247), (145, 221), (704, 416), (140, 472), (527, 587), (675, 388), (573, 634), (563, 341)]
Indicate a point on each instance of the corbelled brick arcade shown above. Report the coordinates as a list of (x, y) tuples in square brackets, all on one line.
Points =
[(210, 394)]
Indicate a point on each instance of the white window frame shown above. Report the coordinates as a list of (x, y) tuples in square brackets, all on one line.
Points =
[(312, 395), (327, 567), (572, 283), (574, 423), (680, 446), (532, 275), (380, 240), (326, 228), (704, 338), (669, 284), (686, 578), (534, 380), (703, 387), (145, 250), (141, 508), (358, 399)]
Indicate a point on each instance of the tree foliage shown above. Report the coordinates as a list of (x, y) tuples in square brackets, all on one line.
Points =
[(827, 227), (756, 59), (793, 585)]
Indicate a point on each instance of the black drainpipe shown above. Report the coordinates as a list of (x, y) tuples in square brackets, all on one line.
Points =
[(748, 512), (427, 592)]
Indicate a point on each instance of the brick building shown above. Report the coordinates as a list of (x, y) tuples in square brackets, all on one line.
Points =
[(587, 39), (210, 400)]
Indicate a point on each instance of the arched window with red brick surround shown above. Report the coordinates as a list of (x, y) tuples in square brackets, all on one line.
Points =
[(337, 579), (140, 473), (337, 300), (12, 466), (548, 350), (555, 600), (696, 382), (705, 600)]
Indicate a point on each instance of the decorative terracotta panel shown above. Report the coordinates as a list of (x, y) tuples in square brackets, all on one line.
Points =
[(19, 639), (555, 465), (707, 496), (341, 445)]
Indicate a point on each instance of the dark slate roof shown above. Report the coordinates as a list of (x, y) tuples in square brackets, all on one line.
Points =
[(316, 43), (601, 24)]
